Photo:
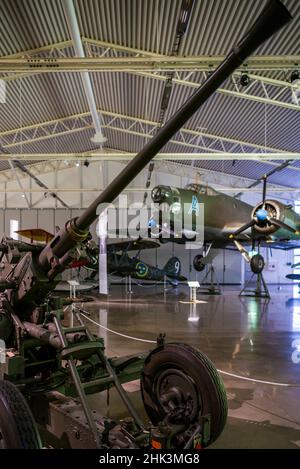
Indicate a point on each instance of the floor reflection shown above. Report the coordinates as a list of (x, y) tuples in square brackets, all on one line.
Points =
[(252, 338)]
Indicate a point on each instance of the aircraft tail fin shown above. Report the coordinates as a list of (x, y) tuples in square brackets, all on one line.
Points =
[(173, 267)]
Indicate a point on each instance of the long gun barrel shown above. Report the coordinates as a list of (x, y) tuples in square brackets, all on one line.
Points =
[(54, 257)]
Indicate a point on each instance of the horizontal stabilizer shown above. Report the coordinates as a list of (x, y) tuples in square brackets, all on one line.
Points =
[(36, 234)]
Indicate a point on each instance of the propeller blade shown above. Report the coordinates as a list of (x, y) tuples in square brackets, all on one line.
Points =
[(283, 225), (243, 228), (264, 190), (242, 250)]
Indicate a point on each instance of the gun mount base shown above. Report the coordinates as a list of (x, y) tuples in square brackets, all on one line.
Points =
[(187, 404)]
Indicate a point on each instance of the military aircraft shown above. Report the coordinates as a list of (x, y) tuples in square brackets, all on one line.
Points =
[(227, 220), (118, 261), (121, 264), (294, 276)]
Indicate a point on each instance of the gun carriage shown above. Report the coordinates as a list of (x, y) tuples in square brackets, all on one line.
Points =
[(49, 369)]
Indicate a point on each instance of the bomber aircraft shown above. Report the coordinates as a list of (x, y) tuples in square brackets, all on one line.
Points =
[(227, 220)]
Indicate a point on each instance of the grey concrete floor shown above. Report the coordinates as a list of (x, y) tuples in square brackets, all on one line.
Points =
[(252, 338)]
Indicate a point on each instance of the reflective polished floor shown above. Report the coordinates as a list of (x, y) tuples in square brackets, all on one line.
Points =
[(247, 337)]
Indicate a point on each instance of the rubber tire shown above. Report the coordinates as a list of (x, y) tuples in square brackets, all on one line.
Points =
[(198, 266), (257, 263), (17, 424), (198, 367)]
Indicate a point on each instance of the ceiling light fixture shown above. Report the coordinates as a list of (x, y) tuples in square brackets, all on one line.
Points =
[(295, 80), (244, 80)]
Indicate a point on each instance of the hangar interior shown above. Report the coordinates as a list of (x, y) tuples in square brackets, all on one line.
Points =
[(84, 86)]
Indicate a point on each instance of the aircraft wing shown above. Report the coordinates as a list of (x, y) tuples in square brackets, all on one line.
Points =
[(293, 276), (284, 245), (180, 278), (36, 234), (132, 245)]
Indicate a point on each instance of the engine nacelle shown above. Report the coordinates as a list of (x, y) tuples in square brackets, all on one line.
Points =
[(276, 210)]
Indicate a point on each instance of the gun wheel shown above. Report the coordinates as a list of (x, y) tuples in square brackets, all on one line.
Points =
[(17, 426), (179, 384)]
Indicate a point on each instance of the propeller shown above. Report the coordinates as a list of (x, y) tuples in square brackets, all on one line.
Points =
[(264, 190), (243, 228), (265, 217), (283, 225)]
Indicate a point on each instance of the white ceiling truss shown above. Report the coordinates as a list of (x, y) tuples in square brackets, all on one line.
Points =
[(194, 139), (102, 56), (53, 57), (232, 185)]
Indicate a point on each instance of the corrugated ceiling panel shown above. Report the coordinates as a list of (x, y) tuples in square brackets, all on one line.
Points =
[(150, 25), (28, 24)]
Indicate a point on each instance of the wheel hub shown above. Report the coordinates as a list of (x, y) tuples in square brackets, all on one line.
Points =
[(176, 393)]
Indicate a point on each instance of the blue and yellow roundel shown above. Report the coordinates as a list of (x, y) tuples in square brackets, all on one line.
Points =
[(141, 269)]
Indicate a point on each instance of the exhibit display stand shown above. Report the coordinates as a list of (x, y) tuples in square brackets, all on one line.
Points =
[(128, 284), (73, 284), (213, 288), (259, 291), (193, 285), (165, 283)]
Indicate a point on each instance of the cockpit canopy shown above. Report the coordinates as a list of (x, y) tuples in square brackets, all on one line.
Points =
[(201, 189)]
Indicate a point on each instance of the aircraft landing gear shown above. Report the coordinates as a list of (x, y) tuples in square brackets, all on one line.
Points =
[(257, 263), (198, 264), (259, 291), (213, 288)]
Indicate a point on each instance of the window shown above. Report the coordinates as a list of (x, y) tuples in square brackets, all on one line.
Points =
[(13, 227), (296, 271)]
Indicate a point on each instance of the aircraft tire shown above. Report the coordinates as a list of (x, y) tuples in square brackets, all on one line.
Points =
[(186, 372), (197, 263), (18, 429), (257, 263)]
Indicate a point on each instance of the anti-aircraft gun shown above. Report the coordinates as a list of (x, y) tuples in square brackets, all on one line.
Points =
[(49, 369)]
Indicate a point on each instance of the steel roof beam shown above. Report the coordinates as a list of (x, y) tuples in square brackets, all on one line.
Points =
[(254, 63), (141, 189), (262, 62), (140, 58), (236, 94), (121, 122), (165, 166), (126, 156), (114, 64)]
